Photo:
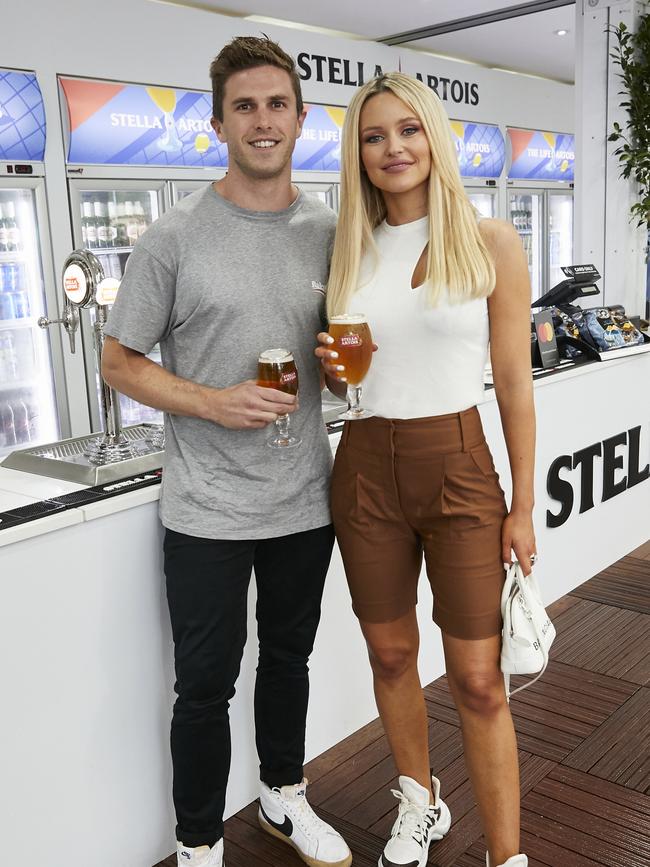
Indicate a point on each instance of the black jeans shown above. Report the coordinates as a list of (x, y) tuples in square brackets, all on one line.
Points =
[(207, 587)]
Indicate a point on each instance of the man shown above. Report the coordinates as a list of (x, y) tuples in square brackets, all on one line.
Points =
[(227, 273)]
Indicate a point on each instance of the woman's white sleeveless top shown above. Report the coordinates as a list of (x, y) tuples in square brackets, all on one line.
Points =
[(430, 360)]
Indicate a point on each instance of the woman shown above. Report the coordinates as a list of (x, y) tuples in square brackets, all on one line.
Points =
[(436, 284)]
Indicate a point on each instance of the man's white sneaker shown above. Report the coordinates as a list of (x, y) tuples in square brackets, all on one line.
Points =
[(418, 823), (285, 813), (515, 861), (201, 856)]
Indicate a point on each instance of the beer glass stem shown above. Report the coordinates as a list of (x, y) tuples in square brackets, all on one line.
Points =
[(354, 398), (282, 424)]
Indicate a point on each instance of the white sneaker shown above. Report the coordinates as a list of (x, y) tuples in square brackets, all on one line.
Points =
[(515, 861), (285, 813), (418, 823), (201, 856)]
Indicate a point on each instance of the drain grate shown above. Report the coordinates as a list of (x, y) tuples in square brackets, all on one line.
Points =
[(67, 459)]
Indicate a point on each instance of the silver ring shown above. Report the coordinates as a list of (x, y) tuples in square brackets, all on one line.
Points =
[(533, 559)]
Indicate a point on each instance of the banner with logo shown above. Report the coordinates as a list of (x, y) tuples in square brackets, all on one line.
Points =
[(131, 124), (22, 117), (480, 147), (319, 146), (541, 156)]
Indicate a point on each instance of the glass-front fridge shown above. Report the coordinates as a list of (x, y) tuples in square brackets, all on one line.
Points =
[(544, 222), (540, 201), (485, 201), (560, 234), (31, 362), (28, 410), (526, 213), (108, 217)]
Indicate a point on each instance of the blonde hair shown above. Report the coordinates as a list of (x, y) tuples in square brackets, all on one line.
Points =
[(458, 262)]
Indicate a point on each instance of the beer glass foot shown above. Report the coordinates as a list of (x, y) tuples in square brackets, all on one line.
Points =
[(355, 411), (283, 442), (354, 414)]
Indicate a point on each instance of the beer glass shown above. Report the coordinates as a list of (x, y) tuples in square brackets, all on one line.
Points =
[(353, 342), (277, 369)]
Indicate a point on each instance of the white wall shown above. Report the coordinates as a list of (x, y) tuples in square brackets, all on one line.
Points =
[(604, 234)]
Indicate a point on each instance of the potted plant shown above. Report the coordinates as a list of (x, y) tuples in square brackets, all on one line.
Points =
[(632, 54)]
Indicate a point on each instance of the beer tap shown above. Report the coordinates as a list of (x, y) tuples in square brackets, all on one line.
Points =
[(86, 286), (69, 320)]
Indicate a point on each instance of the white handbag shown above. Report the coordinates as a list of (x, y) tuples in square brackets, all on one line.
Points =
[(527, 629)]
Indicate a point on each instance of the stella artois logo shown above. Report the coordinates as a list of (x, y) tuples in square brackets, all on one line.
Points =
[(350, 340), (289, 376)]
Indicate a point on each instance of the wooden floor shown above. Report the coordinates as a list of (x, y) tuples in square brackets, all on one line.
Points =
[(584, 740)]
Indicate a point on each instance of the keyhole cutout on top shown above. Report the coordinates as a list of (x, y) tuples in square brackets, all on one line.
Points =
[(420, 272)]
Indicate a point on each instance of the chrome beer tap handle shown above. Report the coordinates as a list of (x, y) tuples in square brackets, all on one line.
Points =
[(69, 320)]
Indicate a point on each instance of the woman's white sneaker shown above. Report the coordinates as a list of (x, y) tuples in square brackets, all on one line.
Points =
[(201, 856), (515, 861), (285, 813), (418, 824)]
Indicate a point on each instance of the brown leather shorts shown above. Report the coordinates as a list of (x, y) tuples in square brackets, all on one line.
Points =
[(404, 487)]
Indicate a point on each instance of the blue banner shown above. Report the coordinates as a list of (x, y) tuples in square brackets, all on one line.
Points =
[(541, 156), (22, 117), (131, 124), (319, 146), (480, 147)]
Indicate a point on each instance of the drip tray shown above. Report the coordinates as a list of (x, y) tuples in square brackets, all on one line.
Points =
[(66, 459)]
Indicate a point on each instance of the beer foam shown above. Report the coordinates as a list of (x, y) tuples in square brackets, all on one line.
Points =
[(348, 319), (275, 356)]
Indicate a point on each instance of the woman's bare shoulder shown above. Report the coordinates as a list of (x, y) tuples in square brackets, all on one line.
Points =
[(497, 232)]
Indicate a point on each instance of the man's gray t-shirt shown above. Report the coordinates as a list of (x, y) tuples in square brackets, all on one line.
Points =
[(215, 285)]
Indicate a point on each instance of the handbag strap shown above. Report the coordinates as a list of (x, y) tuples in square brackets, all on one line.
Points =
[(516, 576)]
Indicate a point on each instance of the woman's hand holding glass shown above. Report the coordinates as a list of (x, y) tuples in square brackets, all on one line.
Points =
[(345, 355)]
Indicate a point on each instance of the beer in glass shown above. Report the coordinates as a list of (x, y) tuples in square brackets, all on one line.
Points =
[(277, 369), (353, 342)]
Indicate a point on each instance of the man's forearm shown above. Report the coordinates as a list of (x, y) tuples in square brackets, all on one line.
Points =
[(147, 382)]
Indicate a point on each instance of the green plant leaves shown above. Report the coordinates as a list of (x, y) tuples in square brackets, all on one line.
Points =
[(632, 53)]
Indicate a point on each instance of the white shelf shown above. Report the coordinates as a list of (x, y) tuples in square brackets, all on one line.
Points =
[(14, 256), (17, 384), (13, 324), (102, 251)]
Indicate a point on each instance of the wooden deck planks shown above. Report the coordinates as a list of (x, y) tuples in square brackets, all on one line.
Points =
[(583, 734)]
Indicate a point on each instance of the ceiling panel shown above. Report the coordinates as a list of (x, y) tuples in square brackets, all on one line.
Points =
[(369, 18), (524, 44)]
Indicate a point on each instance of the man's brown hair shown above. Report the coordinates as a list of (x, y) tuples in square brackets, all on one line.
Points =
[(247, 52)]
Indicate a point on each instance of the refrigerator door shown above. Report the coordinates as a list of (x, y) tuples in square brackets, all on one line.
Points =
[(180, 189), (525, 212), (484, 202), (108, 217), (326, 192), (560, 234), (28, 406)]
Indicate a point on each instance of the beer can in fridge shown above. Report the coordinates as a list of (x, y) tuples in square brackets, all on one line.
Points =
[(7, 306), (20, 304)]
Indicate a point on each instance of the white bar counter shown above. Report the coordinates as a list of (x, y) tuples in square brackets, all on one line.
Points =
[(85, 642)]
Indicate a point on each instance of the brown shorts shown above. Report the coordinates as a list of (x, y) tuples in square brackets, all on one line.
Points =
[(402, 487)]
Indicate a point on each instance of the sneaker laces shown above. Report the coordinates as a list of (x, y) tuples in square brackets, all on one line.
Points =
[(411, 822), (304, 814)]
